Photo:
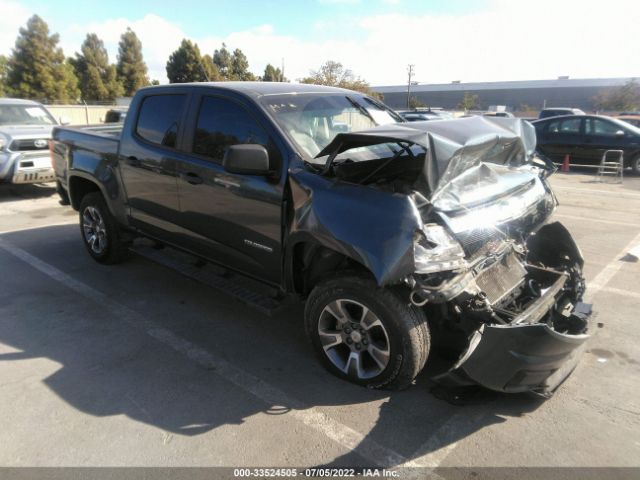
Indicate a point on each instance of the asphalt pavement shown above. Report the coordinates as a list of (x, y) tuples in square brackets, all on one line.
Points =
[(136, 365)]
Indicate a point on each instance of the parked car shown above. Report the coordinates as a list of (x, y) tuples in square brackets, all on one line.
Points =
[(586, 137), (390, 232), (499, 114), (25, 130), (424, 114), (554, 112), (632, 119), (115, 115)]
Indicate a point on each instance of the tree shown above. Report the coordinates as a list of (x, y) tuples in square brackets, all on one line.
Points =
[(224, 62), (210, 69), (414, 102), (155, 82), (37, 67), (232, 66), (98, 79), (3, 75), (240, 70), (132, 71), (626, 97), (469, 102), (334, 74), (187, 65), (272, 74)]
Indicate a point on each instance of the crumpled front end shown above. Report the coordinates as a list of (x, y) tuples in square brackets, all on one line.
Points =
[(520, 311), (465, 225)]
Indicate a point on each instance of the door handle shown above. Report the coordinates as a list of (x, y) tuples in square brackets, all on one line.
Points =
[(192, 178)]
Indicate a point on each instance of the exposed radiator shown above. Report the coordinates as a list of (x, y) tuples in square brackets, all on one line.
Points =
[(501, 278)]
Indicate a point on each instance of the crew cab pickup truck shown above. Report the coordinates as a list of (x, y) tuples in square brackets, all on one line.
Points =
[(396, 234), (25, 130)]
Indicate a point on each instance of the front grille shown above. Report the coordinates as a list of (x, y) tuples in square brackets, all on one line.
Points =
[(25, 145), (501, 278)]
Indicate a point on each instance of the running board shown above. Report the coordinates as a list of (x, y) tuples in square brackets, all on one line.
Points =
[(234, 285)]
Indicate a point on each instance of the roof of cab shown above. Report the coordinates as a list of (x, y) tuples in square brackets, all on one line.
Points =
[(259, 89)]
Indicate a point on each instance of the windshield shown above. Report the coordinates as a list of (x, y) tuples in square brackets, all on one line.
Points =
[(312, 120), (25, 115)]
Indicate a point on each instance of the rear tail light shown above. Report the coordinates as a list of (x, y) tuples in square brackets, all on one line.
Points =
[(51, 156)]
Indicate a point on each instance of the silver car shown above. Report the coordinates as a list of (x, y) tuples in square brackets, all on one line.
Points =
[(25, 130)]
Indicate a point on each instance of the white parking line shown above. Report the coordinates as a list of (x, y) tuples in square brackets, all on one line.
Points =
[(310, 416), (622, 292), (596, 220), (608, 272), (597, 191), (39, 227)]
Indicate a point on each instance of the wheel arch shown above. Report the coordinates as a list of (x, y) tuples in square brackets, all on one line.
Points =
[(308, 262), (79, 186)]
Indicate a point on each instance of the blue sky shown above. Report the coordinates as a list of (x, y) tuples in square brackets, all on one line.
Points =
[(467, 40), (222, 17)]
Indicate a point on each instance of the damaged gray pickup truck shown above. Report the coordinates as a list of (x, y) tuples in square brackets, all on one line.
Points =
[(400, 236)]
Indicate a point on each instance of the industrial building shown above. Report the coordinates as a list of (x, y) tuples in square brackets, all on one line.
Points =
[(515, 95)]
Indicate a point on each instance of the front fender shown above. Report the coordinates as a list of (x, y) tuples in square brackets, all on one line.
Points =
[(373, 227)]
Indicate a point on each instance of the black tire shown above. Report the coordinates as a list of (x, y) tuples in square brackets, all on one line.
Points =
[(113, 248), (635, 165), (406, 333)]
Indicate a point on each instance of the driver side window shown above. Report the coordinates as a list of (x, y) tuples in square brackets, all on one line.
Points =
[(601, 128), (222, 123)]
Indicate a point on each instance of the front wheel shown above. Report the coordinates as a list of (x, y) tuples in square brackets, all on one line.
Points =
[(99, 230), (366, 334)]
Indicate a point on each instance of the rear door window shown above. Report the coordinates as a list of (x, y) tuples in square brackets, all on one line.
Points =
[(159, 118), (570, 126)]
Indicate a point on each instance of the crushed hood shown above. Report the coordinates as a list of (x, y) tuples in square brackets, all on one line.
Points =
[(467, 147)]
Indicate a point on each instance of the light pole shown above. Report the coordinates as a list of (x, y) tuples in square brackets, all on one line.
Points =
[(410, 71)]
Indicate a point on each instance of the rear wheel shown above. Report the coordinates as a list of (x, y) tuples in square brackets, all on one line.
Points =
[(99, 230), (366, 334)]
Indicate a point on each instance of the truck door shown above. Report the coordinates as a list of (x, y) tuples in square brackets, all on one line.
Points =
[(148, 162), (230, 218)]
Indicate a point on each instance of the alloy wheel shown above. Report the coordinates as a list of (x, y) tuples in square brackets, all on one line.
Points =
[(94, 229), (354, 339)]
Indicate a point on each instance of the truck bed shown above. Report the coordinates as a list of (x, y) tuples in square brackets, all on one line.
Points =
[(100, 139)]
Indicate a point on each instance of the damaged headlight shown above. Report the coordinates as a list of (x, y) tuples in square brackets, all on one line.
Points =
[(434, 250)]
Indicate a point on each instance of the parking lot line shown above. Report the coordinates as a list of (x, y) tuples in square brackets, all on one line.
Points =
[(622, 292), (608, 272), (619, 194), (310, 416), (596, 220)]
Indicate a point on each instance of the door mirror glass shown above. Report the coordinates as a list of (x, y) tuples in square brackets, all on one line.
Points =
[(247, 159)]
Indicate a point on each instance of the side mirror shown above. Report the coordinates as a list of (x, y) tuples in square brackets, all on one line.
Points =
[(64, 120), (246, 159), (620, 133)]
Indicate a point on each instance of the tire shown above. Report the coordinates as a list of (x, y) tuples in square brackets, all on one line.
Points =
[(96, 221), (635, 165), (393, 336)]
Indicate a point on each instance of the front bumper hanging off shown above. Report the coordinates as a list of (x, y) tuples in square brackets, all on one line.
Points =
[(524, 355)]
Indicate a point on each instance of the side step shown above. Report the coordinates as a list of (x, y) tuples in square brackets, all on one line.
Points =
[(237, 286)]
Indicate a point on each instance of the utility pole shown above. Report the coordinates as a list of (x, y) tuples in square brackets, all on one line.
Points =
[(282, 71), (410, 71)]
